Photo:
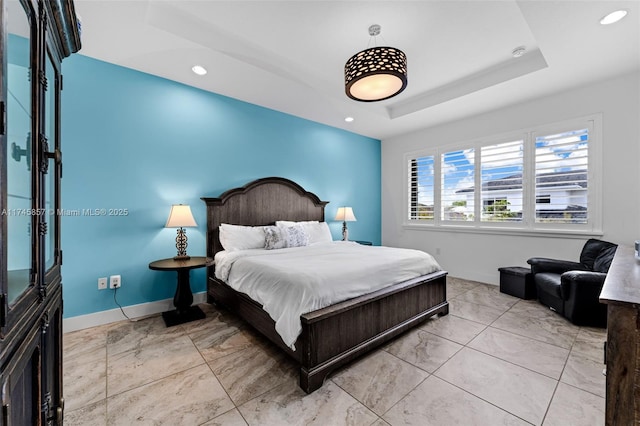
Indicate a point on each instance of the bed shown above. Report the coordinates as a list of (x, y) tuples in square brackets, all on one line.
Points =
[(334, 335)]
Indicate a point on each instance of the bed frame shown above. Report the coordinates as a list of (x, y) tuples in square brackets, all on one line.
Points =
[(337, 334)]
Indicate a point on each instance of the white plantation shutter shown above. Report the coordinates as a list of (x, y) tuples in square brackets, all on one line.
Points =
[(542, 179), (457, 185), (501, 182), (562, 162), (421, 188)]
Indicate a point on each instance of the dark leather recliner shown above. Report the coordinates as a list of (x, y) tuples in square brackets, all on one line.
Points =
[(572, 289)]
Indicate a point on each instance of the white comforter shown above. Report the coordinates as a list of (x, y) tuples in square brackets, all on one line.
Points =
[(293, 281)]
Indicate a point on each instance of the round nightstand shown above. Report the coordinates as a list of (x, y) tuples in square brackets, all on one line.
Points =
[(183, 298)]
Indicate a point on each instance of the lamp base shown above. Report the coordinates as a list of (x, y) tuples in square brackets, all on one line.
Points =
[(181, 245), (345, 232)]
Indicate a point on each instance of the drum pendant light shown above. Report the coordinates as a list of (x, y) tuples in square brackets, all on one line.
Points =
[(377, 73)]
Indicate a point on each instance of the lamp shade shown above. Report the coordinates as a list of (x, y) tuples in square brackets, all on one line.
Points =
[(345, 214), (375, 74), (180, 217)]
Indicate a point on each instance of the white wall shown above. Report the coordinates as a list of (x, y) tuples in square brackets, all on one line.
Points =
[(478, 256)]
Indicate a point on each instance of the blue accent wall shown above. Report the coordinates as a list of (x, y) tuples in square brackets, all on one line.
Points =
[(142, 143)]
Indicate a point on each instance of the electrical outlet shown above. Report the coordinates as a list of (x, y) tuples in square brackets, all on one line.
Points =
[(102, 283), (114, 281)]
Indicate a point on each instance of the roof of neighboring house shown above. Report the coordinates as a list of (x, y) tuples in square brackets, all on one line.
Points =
[(544, 180)]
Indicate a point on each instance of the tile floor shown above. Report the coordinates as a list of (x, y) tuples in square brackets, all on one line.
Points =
[(494, 359)]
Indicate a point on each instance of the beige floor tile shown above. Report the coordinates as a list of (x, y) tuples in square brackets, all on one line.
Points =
[(289, 405), (190, 397), (585, 373), (588, 348), (474, 312), (379, 380), (435, 403), (251, 372), (220, 335), (151, 362), (590, 343), (132, 335), (91, 415), (454, 328), (422, 349), (519, 391), (532, 309), (488, 295), (553, 330), (84, 378), (537, 356), (575, 407), (592, 334), (456, 286), (230, 418), (83, 342)]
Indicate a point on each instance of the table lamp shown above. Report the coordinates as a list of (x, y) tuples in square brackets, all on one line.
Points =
[(345, 214), (180, 217)]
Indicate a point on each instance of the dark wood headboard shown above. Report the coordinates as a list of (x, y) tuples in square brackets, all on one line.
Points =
[(259, 203)]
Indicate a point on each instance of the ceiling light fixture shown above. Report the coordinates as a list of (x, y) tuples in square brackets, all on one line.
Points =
[(518, 51), (377, 73), (348, 119), (198, 69), (613, 17)]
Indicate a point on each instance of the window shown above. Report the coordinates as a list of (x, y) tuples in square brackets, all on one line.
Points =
[(501, 181), (458, 172), (561, 171), (421, 188), (542, 179)]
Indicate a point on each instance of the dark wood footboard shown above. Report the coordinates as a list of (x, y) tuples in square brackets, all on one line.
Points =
[(334, 336)]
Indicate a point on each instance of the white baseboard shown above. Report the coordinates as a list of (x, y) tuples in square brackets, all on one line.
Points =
[(135, 312)]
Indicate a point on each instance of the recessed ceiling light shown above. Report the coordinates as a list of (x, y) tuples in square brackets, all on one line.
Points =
[(518, 51), (613, 17), (349, 119), (200, 70)]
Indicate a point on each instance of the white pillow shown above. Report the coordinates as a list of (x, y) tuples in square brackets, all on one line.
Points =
[(318, 231), (237, 237), (291, 223), (277, 237)]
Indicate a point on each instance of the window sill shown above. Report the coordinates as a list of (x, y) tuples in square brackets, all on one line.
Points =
[(519, 232)]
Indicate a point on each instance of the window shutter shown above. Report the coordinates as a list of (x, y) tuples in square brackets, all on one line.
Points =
[(561, 177), (501, 180), (421, 177), (458, 185)]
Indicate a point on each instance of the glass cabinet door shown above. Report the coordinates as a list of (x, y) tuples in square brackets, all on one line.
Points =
[(19, 208), (50, 179)]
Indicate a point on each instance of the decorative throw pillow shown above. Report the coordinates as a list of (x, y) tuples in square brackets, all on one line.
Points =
[(275, 237), (296, 236), (318, 231)]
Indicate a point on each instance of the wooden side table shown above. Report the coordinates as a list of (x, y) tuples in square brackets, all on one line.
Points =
[(183, 298)]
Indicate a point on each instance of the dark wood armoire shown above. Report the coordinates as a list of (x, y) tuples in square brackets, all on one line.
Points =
[(35, 36)]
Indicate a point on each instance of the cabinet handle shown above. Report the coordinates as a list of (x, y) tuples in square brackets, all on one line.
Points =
[(56, 155), (60, 412)]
